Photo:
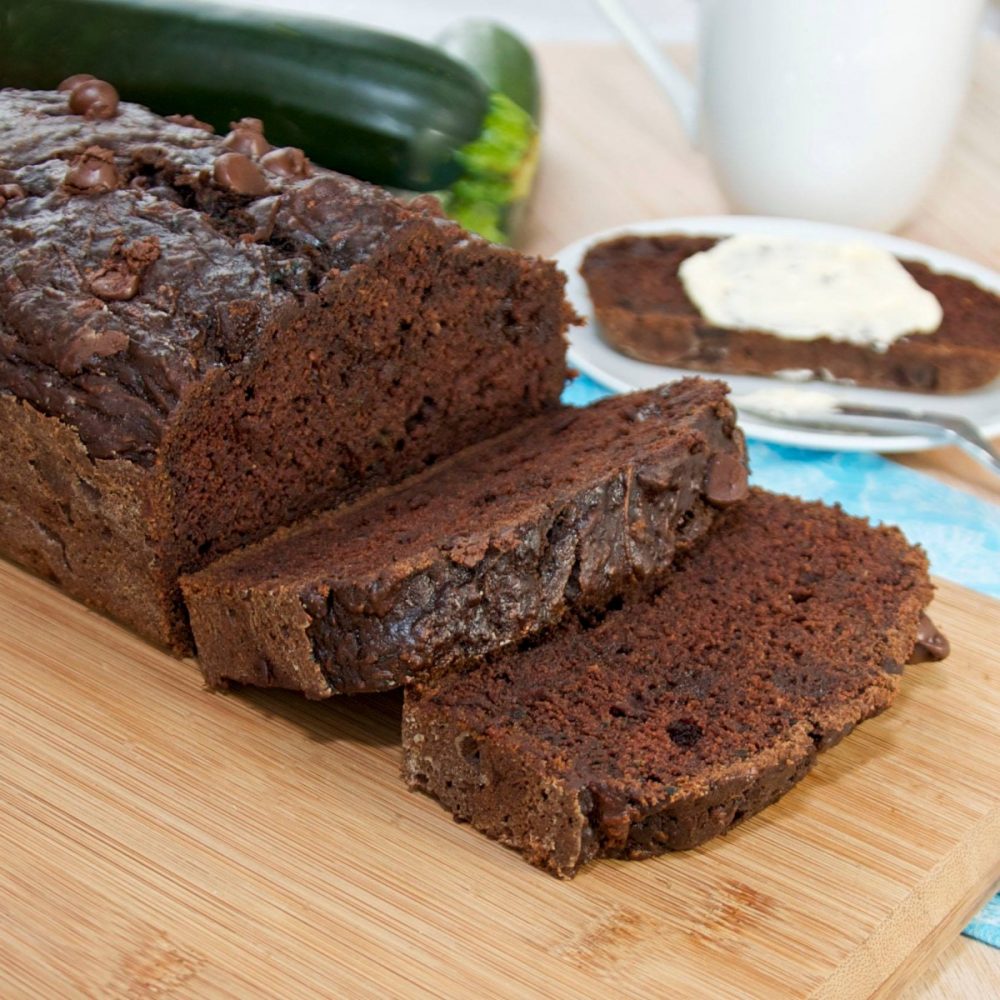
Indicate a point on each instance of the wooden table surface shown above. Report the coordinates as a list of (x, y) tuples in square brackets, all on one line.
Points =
[(614, 153)]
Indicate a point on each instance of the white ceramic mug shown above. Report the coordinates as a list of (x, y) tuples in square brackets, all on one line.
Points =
[(837, 110)]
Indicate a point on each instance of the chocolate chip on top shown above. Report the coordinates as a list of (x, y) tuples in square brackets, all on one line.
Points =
[(10, 192), (288, 161), (71, 81), (119, 277), (92, 98), (251, 124), (114, 284), (239, 174), (247, 137), (93, 172)]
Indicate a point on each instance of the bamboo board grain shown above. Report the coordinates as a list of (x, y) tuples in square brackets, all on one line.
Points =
[(160, 840)]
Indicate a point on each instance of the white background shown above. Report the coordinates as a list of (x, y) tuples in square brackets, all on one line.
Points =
[(538, 20)]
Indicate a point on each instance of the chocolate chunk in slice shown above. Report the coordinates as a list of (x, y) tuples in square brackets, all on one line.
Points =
[(726, 480), (931, 644), (562, 515), (672, 720)]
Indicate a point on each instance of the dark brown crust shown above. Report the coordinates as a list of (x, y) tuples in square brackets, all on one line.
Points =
[(644, 312), (219, 363), (560, 516), (673, 720)]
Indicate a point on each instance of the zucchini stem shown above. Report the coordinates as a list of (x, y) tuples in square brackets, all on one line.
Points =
[(498, 169)]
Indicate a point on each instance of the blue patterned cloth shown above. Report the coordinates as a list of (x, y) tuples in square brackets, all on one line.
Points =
[(960, 532), (985, 926)]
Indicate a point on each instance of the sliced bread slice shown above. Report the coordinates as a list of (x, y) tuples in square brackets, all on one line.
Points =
[(564, 514), (671, 721)]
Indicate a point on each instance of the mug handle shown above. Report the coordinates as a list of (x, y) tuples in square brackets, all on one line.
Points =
[(679, 89)]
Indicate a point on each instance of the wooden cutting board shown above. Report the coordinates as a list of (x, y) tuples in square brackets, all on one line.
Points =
[(159, 840)]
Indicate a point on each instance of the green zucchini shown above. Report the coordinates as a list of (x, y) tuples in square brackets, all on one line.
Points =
[(499, 57), (387, 109), (492, 194)]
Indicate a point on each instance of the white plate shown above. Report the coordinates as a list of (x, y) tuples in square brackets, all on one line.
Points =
[(591, 355)]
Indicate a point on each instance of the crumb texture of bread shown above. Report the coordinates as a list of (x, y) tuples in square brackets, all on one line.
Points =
[(212, 338), (670, 721), (566, 513), (644, 312)]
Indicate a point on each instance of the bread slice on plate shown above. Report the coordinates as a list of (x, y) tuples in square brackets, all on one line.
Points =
[(644, 312)]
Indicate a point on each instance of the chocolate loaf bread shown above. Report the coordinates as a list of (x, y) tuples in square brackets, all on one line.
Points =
[(203, 338), (671, 721), (564, 514), (644, 311)]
